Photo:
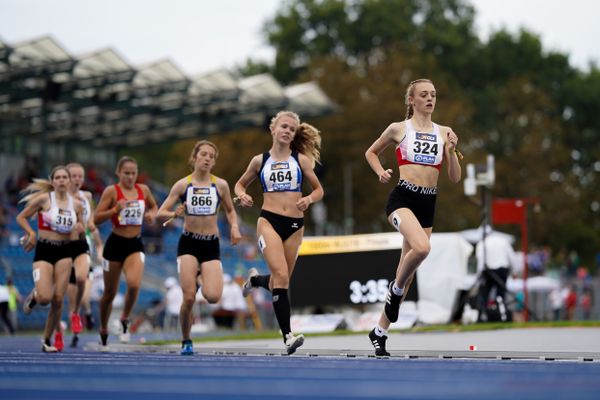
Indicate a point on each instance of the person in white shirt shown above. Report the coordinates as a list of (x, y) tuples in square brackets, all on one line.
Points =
[(232, 304), (494, 269), (173, 300)]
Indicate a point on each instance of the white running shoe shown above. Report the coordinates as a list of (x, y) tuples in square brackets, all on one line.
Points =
[(293, 342), (124, 336), (247, 288), (49, 349)]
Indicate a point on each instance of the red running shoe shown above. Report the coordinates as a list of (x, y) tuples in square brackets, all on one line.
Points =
[(76, 323), (58, 341)]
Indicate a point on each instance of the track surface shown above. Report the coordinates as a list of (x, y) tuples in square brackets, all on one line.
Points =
[(256, 369)]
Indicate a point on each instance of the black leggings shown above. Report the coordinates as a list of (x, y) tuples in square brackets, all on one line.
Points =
[(5, 317)]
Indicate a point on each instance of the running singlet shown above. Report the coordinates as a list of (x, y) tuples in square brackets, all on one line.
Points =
[(201, 200), (281, 176), (133, 213), (57, 219), (87, 209), (421, 148)]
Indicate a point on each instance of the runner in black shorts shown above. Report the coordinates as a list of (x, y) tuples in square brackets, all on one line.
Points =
[(421, 146), (127, 204), (59, 215), (80, 251), (200, 194), (280, 227)]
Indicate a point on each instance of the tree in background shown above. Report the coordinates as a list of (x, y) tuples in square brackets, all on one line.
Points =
[(507, 97)]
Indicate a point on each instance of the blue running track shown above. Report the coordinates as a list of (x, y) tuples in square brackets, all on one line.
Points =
[(27, 373)]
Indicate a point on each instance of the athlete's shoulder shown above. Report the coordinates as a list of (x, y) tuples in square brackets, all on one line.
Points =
[(77, 203), (395, 131), (444, 128), (221, 183), (445, 131), (180, 185)]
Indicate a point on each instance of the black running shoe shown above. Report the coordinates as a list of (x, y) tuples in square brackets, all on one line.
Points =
[(392, 305), (89, 322), (378, 343), (74, 341)]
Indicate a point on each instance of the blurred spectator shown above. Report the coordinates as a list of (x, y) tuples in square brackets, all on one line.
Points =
[(4, 297), (153, 241), (571, 302), (172, 303), (494, 271), (3, 221), (232, 304), (96, 291), (572, 263), (557, 298), (586, 303), (14, 298)]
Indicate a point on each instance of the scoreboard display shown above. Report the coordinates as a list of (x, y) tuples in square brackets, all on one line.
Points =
[(346, 270)]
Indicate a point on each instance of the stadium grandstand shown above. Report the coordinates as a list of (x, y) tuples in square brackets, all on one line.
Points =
[(55, 106)]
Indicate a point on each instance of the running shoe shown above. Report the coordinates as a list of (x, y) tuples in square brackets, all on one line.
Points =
[(47, 348), (58, 341), (76, 323), (89, 322), (293, 342), (74, 341), (392, 304), (29, 302), (247, 288), (187, 348), (124, 336), (378, 343), (104, 342)]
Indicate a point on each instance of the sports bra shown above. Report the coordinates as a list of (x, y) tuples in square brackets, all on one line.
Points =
[(281, 176), (201, 200), (420, 147)]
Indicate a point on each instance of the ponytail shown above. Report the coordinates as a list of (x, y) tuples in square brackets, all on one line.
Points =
[(308, 142), (41, 185)]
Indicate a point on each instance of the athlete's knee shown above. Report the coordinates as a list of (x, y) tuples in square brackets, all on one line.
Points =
[(421, 250), (108, 295), (57, 300), (189, 300), (280, 278), (133, 288), (212, 297), (43, 299)]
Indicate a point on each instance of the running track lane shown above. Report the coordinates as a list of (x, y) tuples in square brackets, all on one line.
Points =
[(142, 376)]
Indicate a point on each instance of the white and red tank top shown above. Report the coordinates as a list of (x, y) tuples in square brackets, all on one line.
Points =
[(60, 220), (422, 148), (133, 213)]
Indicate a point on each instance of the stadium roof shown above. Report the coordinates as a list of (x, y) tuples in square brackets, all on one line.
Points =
[(51, 97)]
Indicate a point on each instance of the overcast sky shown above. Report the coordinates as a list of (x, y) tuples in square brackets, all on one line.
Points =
[(202, 35)]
